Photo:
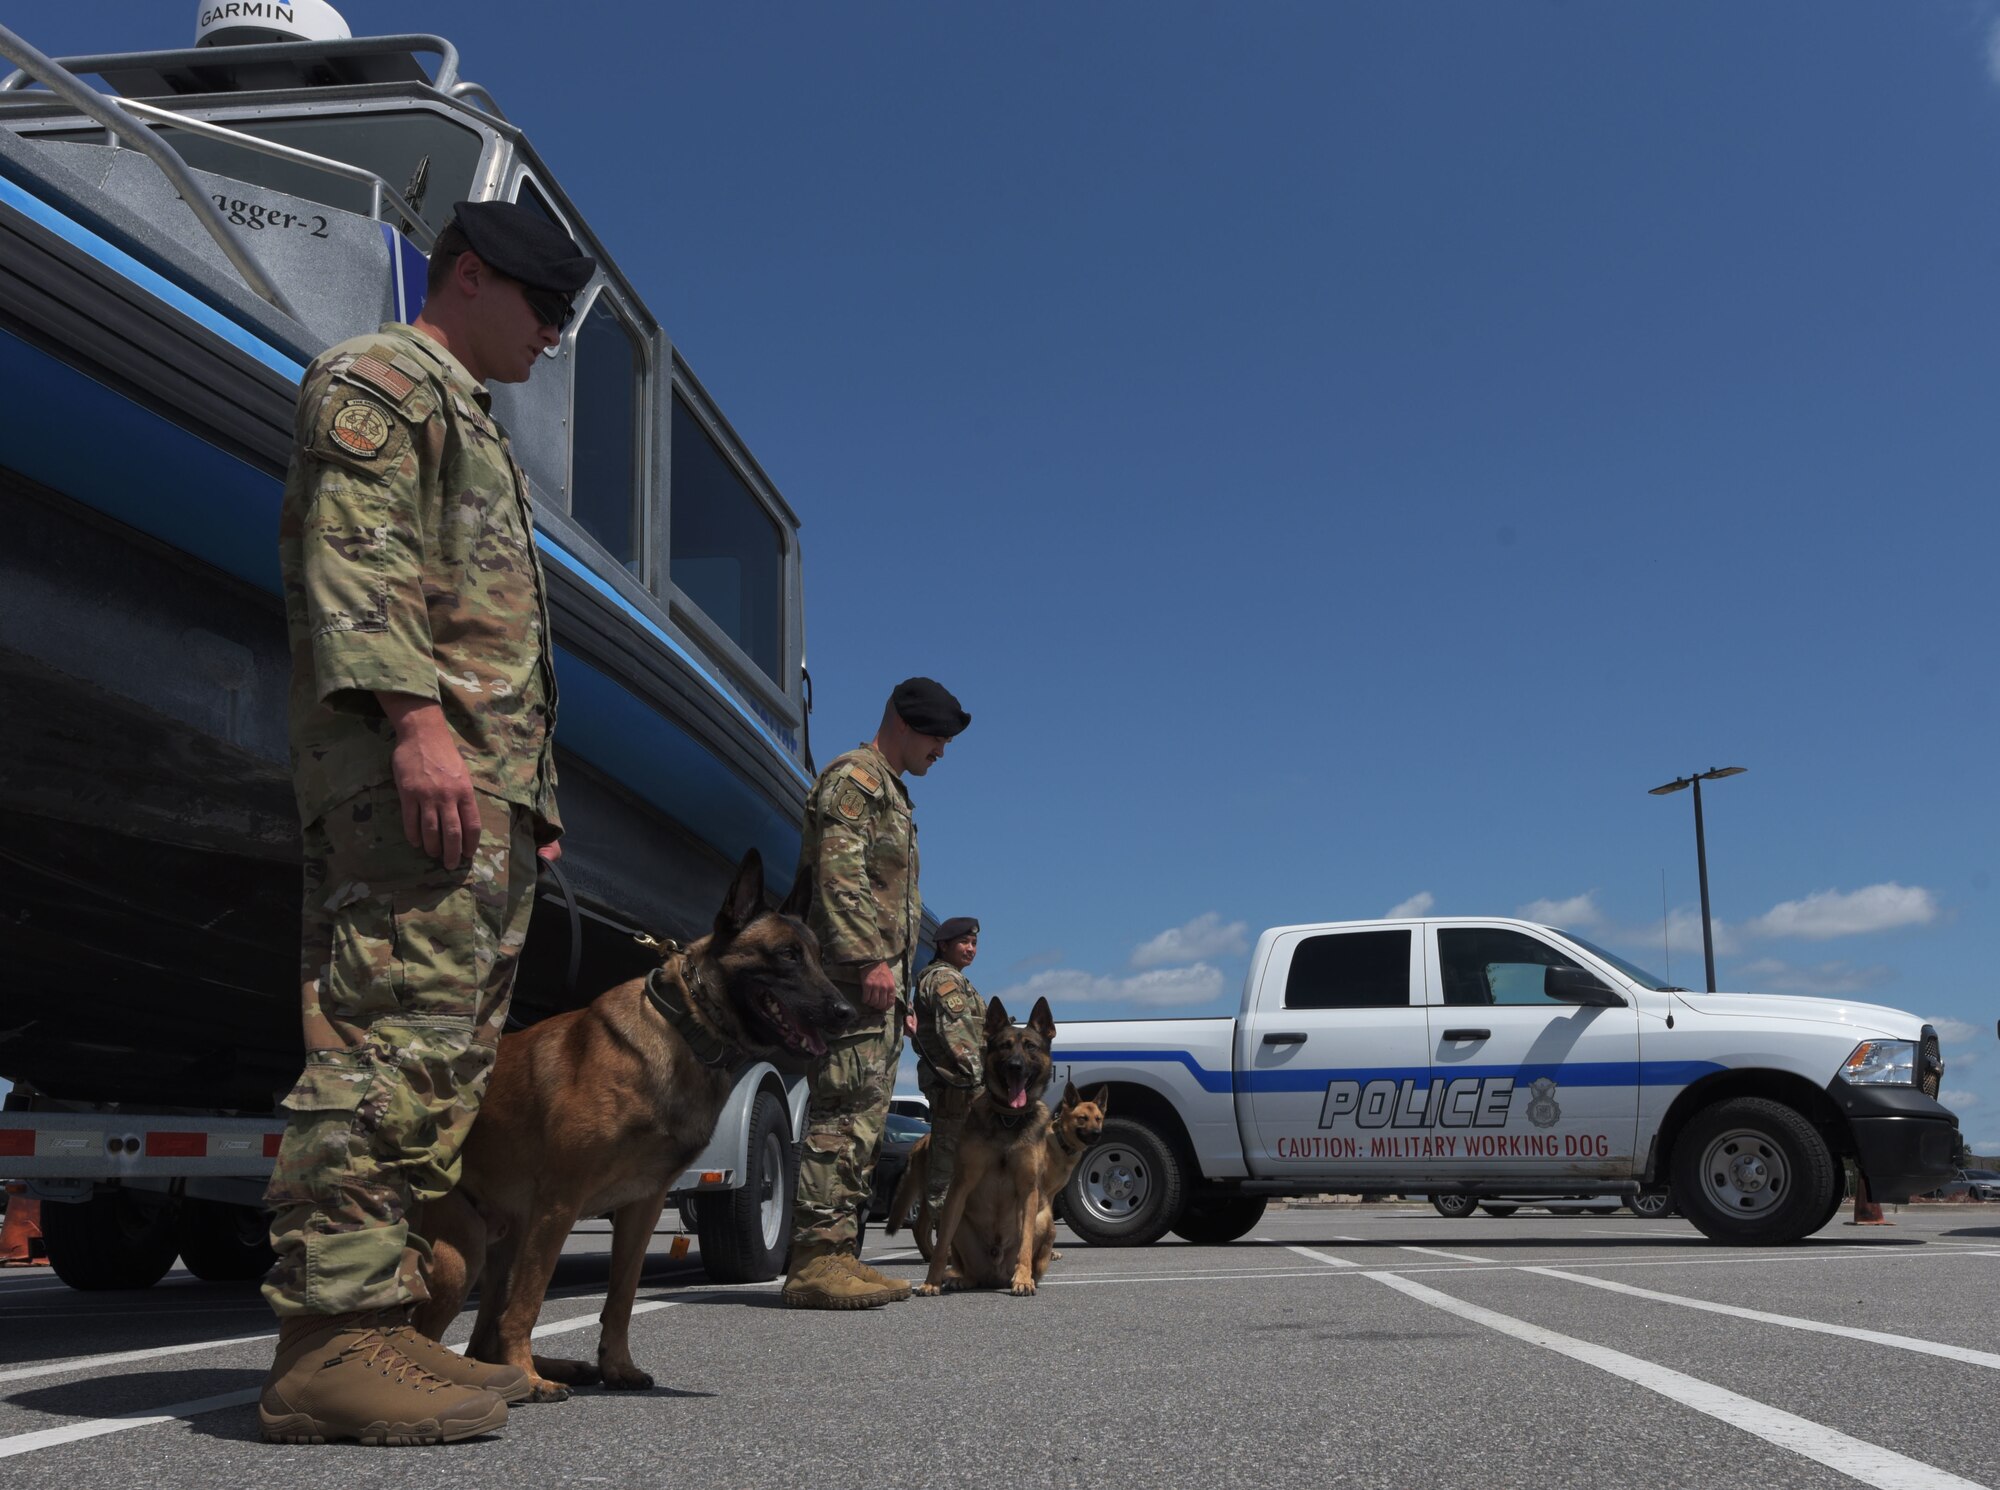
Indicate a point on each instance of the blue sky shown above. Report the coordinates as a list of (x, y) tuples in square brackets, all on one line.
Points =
[(1343, 456)]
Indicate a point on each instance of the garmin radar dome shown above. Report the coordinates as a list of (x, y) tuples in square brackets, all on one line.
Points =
[(234, 23)]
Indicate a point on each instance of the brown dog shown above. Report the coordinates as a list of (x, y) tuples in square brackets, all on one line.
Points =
[(599, 1111), (986, 1237), (911, 1205), (1074, 1126)]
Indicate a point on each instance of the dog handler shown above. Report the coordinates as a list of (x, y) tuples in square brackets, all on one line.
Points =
[(860, 847), (423, 704), (951, 1041)]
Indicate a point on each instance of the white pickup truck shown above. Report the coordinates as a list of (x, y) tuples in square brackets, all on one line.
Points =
[(1487, 1057)]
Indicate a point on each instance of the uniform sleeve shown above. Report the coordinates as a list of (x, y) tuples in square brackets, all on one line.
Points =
[(947, 1035), (362, 552), (849, 924)]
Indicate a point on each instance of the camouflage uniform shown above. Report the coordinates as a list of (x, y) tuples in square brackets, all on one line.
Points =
[(951, 1046), (860, 847), (409, 567)]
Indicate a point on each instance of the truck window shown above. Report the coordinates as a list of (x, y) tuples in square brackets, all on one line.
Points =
[(1350, 970), (1489, 965)]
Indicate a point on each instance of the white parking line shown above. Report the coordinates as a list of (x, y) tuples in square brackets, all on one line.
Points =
[(1875, 1337), (120, 1357), (1454, 1256), (1856, 1458), (1327, 1258), (48, 1438)]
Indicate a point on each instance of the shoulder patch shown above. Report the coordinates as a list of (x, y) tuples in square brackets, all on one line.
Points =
[(360, 428), (865, 778), (381, 375)]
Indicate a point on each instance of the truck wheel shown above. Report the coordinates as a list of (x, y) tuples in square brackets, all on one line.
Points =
[(1455, 1206), (1754, 1172), (1126, 1191), (1651, 1204), (745, 1233), (112, 1240), (223, 1243), (1218, 1221), (1500, 1210)]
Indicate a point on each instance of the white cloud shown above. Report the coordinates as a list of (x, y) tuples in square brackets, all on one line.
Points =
[(1161, 988), (1993, 52), (1205, 936), (1831, 913), (1417, 905), (1578, 911), (1956, 1031), (1826, 979), (1957, 1100)]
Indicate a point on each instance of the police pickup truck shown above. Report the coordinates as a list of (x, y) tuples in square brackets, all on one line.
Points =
[(1492, 1057)]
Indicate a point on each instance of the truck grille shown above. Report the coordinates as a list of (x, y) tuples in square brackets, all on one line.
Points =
[(1930, 1064)]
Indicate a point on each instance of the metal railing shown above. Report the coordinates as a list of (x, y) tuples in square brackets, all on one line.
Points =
[(276, 51), (123, 125)]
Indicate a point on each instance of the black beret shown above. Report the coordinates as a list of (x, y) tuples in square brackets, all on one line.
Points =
[(929, 708), (524, 245), (957, 927)]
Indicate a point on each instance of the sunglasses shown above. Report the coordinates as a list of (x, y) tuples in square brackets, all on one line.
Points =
[(551, 307)]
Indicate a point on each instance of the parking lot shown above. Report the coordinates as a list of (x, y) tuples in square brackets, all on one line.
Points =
[(1338, 1345)]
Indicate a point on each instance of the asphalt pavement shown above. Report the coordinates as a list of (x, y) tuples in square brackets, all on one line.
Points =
[(1377, 1345)]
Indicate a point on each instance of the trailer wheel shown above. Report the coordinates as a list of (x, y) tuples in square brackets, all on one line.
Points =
[(1753, 1172), (745, 1233), (1455, 1206), (112, 1240), (1220, 1220), (1651, 1204), (1126, 1190), (1499, 1210), (222, 1243)]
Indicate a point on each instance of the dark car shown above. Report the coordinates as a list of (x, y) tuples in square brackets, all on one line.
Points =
[(900, 1133)]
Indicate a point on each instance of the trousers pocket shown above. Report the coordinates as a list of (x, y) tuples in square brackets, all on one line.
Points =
[(333, 1081)]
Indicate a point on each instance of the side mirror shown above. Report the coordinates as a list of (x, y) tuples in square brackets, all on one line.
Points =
[(1572, 985)]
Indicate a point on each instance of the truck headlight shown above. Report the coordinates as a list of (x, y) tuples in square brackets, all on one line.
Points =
[(1882, 1063)]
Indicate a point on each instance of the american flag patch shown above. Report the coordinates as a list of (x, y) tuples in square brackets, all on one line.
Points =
[(381, 375)]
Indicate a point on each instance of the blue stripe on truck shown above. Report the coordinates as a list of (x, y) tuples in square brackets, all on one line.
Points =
[(1572, 1073)]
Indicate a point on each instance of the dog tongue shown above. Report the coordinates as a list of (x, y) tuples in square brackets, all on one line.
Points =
[(1020, 1096)]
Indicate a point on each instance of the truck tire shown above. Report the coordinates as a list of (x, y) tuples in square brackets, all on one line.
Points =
[(746, 1232), (1500, 1210), (111, 1240), (1219, 1220), (222, 1243), (1127, 1189), (1455, 1206), (1753, 1172)]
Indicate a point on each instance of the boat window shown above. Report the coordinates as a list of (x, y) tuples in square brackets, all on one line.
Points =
[(529, 195), (728, 555), (1350, 970), (610, 397), (426, 157)]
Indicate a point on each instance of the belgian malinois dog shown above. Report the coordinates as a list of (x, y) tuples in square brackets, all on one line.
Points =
[(599, 1110), (986, 1237), (1075, 1125), (911, 1205)]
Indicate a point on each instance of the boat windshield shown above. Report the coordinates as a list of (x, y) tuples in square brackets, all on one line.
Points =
[(1630, 969)]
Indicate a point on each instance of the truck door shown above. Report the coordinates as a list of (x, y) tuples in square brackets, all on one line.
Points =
[(1533, 1081), (1336, 1027)]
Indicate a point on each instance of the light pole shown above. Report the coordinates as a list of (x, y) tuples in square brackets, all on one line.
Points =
[(1714, 773)]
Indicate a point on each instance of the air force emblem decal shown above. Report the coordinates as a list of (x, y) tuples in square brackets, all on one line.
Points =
[(1542, 1109)]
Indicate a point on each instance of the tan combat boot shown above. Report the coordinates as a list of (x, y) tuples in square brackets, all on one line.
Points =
[(819, 1279), (509, 1383), (338, 1377), (898, 1288)]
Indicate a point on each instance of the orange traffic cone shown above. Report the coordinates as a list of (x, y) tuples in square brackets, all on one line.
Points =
[(21, 1238), (1866, 1211)]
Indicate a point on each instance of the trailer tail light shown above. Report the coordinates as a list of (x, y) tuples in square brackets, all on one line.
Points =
[(271, 1143), (176, 1145), (17, 1143)]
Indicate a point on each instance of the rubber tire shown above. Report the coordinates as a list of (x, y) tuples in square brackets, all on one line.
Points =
[(1602, 1210), (1502, 1211), (730, 1223), (1457, 1207), (1219, 1220), (1651, 1205), (1836, 1202), (1814, 1173), (1166, 1197), (110, 1241), (223, 1243)]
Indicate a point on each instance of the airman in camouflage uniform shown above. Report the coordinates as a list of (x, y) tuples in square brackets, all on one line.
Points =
[(951, 1045), (860, 847), (422, 715)]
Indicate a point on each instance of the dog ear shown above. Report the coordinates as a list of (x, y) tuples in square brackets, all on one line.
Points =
[(1041, 1019), (745, 901), (1070, 1097), (1103, 1099), (996, 1019), (799, 902)]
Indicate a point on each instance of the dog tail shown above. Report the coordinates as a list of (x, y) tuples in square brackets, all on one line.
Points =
[(910, 1188)]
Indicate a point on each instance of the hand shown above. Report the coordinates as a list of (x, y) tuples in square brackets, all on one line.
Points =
[(878, 987), (440, 808), (551, 851), (910, 1023)]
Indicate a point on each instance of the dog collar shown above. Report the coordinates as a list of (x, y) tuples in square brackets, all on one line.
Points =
[(677, 1006), (1010, 1123)]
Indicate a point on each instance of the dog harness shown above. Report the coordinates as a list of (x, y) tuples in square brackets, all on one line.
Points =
[(676, 999)]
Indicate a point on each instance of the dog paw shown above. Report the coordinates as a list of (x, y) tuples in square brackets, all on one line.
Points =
[(570, 1373), (1023, 1287), (627, 1379), (927, 1290), (548, 1391), (1056, 1255)]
